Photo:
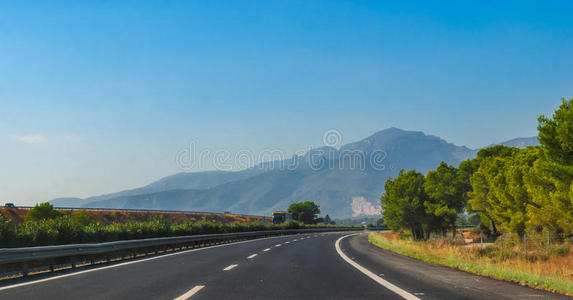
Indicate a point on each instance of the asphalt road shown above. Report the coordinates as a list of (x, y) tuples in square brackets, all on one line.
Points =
[(297, 266)]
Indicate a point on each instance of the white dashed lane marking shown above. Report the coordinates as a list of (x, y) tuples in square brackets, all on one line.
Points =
[(230, 267), (190, 293)]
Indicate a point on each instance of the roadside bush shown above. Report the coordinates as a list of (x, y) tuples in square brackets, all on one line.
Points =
[(43, 211), (7, 231), (562, 251), (79, 228), (82, 218), (292, 224)]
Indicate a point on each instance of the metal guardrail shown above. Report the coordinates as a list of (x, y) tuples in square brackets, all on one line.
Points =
[(49, 258)]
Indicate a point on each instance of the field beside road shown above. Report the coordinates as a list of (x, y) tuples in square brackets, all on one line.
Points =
[(551, 269), (109, 216), (44, 225)]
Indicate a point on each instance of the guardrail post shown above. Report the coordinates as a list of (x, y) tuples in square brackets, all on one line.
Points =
[(74, 261), (25, 269)]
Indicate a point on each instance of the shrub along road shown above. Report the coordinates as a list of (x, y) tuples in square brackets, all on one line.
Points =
[(296, 266)]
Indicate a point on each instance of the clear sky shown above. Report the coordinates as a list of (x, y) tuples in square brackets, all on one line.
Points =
[(99, 96)]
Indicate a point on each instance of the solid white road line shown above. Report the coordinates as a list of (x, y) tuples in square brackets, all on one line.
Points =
[(373, 276), (252, 256), (129, 263), (230, 267), (190, 293), (266, 249)]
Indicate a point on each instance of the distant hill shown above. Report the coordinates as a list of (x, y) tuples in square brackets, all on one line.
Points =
[(344, 182), (179, 181), (521, 142), (325, 175)]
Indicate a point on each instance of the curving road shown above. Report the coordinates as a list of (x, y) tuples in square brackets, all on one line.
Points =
[(305, 266)]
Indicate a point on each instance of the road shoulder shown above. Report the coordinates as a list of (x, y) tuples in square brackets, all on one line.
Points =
[(431, 281)]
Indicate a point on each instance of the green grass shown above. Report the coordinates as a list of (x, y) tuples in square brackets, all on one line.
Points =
[(476, 266)]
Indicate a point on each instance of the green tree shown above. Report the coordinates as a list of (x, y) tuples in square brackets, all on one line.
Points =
[(43, 211), (500, 191), (445, 195), (478, 200), (403, 203), (468, 167), (495, 151), (305, 212), (515, 199), (465, 171), (556, 133), (7, 231), (477, 184), (82, 218), (551, 184)]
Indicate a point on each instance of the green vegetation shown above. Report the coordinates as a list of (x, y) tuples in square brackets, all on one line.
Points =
[(445, 195), (519, 191), (80, 228), (521, 199), (43, 211), (403, 204), (81, 218), (305, 212)]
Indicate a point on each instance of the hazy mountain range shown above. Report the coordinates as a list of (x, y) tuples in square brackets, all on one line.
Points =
[(344, 182), (521, 142)]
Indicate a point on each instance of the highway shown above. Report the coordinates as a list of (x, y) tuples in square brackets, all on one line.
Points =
[(308, 266)]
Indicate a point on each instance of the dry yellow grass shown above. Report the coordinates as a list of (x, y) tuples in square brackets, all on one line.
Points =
[(547, 269)]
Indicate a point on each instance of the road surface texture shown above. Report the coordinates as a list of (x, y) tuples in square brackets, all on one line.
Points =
[(304, 266)]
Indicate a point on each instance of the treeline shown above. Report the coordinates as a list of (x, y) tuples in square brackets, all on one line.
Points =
[(46, 226), (511, 189)]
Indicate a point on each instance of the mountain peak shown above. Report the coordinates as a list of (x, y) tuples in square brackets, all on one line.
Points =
[(520, 142), (337, 185), (389, 136)]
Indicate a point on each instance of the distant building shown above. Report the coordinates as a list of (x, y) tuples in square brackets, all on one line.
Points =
[(281, 217)]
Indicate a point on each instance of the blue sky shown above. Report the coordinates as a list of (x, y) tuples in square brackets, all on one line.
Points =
[(100, 96)]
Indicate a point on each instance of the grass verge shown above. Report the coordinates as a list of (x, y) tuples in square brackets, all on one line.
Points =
[(461, 258)]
